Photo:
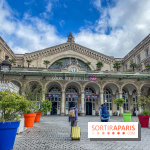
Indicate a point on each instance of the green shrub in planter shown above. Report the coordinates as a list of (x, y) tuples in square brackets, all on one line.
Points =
[(46, 106), (12, 105), (119, 101), (143, 101), (145, 112)]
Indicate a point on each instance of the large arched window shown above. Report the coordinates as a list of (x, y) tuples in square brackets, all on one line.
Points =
[(107, 98), (134, 100), (72, 90), (34, 91), (126, 103), (54, 90), (89, 91), (66, 61)]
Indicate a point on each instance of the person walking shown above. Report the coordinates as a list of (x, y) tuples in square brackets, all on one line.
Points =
[(105, 114), (73, 115)]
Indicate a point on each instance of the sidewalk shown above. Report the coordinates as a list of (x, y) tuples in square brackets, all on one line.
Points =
[(53, 133)]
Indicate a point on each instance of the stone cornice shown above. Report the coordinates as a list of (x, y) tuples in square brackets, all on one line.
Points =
[(69, 46), (143, 44), (7, 48)]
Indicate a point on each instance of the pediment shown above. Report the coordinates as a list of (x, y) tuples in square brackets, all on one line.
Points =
[(66, 47)]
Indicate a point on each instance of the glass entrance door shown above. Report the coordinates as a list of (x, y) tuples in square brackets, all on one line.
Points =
[(88, 108), (69, 100), (54, 108)]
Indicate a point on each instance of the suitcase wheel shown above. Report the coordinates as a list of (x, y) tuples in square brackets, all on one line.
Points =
[(79, 139)]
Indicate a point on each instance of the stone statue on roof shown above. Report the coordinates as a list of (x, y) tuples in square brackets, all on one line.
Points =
[(70, 38)]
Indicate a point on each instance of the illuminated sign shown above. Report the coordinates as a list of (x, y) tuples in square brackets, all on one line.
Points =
[(53, 95), (91, 96), (92, 78), (72, 96)]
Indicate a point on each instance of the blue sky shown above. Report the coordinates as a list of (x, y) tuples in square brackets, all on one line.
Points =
[(112, 27)]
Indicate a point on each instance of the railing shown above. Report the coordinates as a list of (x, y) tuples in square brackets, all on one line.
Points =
[(91, 71)]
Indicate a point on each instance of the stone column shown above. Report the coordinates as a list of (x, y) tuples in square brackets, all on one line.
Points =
[(140, 110), (114, 106), (139, 107), (120, 110), (120, 95), (101, 98), (82, 104), (43, 95), (43, 91), (130, 103), (120, 107), (23, 88), (143, 66), (63, 103), (98, 104)]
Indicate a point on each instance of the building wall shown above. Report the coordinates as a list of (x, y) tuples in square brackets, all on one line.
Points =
[(139, 50), (116, 87)]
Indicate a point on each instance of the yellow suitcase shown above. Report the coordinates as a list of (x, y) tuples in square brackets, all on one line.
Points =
[(76, 132)]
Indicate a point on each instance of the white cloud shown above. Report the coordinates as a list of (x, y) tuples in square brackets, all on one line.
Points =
[(61, 23), (97, 4), (29, 34), (130, 23), (49, 7)]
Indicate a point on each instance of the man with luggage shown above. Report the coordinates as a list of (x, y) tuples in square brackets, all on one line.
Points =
[(73, 117)]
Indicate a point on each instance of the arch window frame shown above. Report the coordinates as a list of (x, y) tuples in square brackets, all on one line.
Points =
[(126, 98), (56, 90), (134, 99), (71, 91), (107, 95), (89, 91)]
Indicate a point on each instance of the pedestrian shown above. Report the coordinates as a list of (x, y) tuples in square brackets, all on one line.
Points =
[(73, 115), (105, 114)]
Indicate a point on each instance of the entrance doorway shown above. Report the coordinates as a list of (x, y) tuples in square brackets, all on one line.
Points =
[(70, 105), (88, 108), (54, 108), (71, 97)]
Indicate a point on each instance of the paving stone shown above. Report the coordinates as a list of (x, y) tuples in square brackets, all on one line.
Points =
[(53, 133)]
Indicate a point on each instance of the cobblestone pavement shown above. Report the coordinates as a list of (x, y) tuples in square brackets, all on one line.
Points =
[(53, 133)]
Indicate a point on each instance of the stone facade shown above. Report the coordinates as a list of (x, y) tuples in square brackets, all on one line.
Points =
[(73, 82)]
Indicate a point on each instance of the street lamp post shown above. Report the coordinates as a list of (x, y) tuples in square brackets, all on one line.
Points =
[(6, 66)]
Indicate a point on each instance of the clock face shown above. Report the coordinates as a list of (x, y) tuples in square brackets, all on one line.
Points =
[(73, 69)]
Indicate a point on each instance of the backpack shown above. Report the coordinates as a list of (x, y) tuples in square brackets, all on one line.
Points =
[(71, 113), (105, 113)]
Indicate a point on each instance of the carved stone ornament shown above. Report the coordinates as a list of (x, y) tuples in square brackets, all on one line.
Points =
[(70, 38), (73, 63)]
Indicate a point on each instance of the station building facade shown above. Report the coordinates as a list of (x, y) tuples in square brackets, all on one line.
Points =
[(87, 86)]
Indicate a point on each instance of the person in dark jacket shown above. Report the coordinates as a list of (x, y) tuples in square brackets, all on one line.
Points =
[(74, 120)]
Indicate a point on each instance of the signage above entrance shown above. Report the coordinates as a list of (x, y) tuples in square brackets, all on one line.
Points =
[(91, 96), (72, 96), (92, 78), (53, 95)]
